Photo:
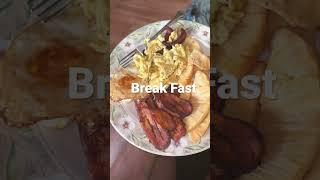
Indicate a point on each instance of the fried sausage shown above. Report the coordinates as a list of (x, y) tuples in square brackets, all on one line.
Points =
[(245, 141), (157, 135), (173, 105)]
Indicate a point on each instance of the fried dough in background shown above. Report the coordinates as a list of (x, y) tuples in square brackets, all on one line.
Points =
[(238, 54), (30, 99), (36, 87), (276, 22), (42, 93), (313, 172), (297, 13), (97, 13), (242, 108), (290, 122)]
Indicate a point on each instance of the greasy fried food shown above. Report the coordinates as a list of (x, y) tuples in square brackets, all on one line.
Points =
[(50, 65), (238, 146), (299, 58), (196, 134), (179, 131), (245, 109), (191, 44), (199, 100), (200, 60), (173, 57), (120, 87), (157, 121), (296, 12), (96, 12), (173, 105), (238, 54), (36, 79), (289, 123), (157, 135), (164, 119), (223, 155), (196, 61), (226, 15), (187, 74), (36, 74)]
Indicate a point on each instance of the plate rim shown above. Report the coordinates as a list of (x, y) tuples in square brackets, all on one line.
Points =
[(160, 153)]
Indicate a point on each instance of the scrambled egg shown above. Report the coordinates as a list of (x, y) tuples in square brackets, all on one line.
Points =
[(97, 15), (226, 15), (173, 36), (155, 67)]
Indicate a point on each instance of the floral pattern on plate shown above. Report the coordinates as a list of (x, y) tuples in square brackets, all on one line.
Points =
[(124, 116)]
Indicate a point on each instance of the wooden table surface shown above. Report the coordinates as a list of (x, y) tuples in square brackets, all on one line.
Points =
[(129, 15)]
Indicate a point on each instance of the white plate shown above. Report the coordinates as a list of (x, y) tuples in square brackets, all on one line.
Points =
[(125, 112)]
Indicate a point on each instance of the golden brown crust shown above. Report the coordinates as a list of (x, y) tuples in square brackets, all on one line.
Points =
[(30, 91), (196, 134), (120, 88), (245, 109), (289, 122), (199, 100), (238, 55), (296, 12)]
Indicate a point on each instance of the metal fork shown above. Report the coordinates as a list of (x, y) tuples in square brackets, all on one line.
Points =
[(42, 11), (125, 61)]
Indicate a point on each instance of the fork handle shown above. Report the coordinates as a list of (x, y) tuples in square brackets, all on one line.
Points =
[(179, 15)]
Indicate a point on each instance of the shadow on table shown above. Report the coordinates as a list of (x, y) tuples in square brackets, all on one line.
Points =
[(193, 167)]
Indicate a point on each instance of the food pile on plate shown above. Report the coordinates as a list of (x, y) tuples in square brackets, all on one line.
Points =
[(97, 14), (268, 137), (173, 57), (36, 68), (35, 75)]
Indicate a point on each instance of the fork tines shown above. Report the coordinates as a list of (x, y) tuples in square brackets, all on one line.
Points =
[(46, 9), (125, 61)]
